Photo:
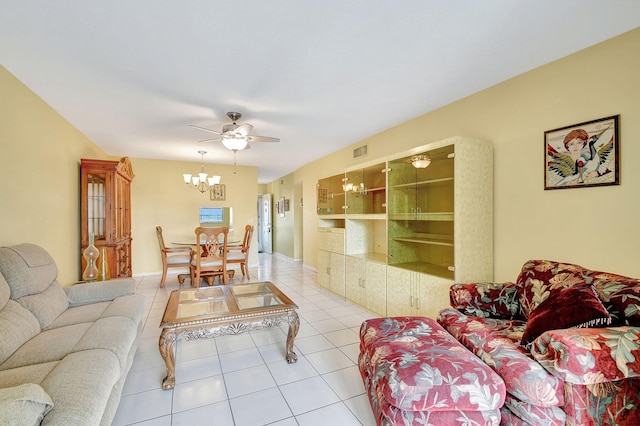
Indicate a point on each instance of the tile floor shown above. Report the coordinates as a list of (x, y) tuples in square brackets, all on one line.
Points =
[(244, 380)]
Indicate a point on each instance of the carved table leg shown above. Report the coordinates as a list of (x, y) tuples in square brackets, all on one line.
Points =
[(167, 344), (294, 325)]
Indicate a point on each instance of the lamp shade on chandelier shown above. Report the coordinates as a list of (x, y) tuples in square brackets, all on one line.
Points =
[(420, 161), (202, 182), (235, 144)]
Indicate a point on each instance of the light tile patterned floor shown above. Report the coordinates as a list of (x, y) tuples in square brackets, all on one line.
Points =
[(244, 380)]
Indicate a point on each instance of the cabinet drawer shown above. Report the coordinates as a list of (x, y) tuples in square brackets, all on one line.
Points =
[(331, 239)]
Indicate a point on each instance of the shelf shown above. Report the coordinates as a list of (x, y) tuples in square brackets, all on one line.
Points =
[(433, 239), (371, 257), (414, 185), (367, 216), (432, 216), (445, 271)]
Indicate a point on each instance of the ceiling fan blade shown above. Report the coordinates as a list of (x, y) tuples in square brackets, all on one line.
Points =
[(244, 129), (210, 140), (205, 129), (253, 138)]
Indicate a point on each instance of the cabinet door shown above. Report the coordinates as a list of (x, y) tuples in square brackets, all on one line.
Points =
[(354, 189), (331, 195), (336, 272), (323, 268), (375, 283), (433, 295), (421, 216), (400, 288), (122, 212), (354, 280)]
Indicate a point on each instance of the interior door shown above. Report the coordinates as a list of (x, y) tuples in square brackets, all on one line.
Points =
[(265, 242)]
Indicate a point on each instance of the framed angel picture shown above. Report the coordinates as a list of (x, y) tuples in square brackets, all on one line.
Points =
[(582, 155)]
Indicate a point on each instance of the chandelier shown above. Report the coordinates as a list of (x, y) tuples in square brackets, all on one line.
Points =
[(420, 161), (200, 181)]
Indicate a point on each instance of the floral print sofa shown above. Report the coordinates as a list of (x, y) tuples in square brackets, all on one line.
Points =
[(565, 340)]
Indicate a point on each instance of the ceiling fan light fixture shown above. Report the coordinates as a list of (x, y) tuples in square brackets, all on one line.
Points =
[(235, 144), (420, 161)]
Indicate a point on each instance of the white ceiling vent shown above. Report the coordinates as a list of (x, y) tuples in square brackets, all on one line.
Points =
[(359, 152)]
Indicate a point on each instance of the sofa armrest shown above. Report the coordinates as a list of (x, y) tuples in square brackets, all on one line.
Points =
[(100, 291), (486, 300), (25, 404), (590, 355)]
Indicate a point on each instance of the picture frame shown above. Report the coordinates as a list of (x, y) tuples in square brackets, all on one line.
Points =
[(218, 192), (583, 155), (280, 207)]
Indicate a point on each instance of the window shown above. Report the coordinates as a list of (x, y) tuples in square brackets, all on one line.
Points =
[(215, 216)]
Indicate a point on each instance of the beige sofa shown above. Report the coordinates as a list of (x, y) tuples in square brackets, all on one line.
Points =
[(64, 352)]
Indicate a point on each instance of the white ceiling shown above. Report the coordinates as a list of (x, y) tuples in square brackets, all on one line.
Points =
[(319, 75)]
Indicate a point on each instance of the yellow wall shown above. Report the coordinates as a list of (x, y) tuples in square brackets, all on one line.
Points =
[(39, 176), (594, 227), (159, 196), (284, 224)]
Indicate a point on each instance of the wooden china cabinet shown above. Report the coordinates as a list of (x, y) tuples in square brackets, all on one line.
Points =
[(106, 212)]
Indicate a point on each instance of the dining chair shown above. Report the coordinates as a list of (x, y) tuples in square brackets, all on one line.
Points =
[(209, 259), (172, 257), (239, 253)]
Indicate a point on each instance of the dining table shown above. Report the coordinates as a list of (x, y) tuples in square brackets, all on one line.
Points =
[(191, 243)]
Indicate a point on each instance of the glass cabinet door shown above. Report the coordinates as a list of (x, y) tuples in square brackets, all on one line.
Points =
[(355, 191), (96, 185), (365, 190), (331, 195), (421, 212)]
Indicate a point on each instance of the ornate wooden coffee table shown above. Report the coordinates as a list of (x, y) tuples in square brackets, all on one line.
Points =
[(200, 313)]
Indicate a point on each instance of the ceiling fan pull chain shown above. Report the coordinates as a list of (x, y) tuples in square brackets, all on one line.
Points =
[(235, 154)]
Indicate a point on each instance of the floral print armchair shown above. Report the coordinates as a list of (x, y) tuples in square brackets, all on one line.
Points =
[(565, 340)]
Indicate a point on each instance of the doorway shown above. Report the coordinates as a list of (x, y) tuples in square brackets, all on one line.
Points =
[(265, 223)]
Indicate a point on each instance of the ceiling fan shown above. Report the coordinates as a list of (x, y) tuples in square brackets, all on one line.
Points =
[(234, 136)]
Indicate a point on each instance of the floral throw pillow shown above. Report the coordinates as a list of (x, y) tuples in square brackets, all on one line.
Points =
[(539, 279), (577, 306)]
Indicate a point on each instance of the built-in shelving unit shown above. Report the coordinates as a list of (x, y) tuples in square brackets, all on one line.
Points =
[(408, 233)]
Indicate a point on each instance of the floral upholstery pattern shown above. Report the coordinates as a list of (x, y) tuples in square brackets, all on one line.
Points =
[(573, 376), (486, 300), (497, 343), (418, 374)]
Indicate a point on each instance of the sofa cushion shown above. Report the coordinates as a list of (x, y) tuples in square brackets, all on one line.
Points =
[(48, 305), (28, 269), (80, 386), (417, 366), (620, 294), (35, 373), (497, 343), (79, 315), (26, 405), (486, 300), (577, 306), (5, 291), (538, 279), (116, 334), (47, 346), (17, 326)]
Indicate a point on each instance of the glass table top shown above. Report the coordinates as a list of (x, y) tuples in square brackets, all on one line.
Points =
[(213, 303)]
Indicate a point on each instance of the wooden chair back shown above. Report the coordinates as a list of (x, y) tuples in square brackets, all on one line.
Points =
[(210, 256), (240, 253)]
